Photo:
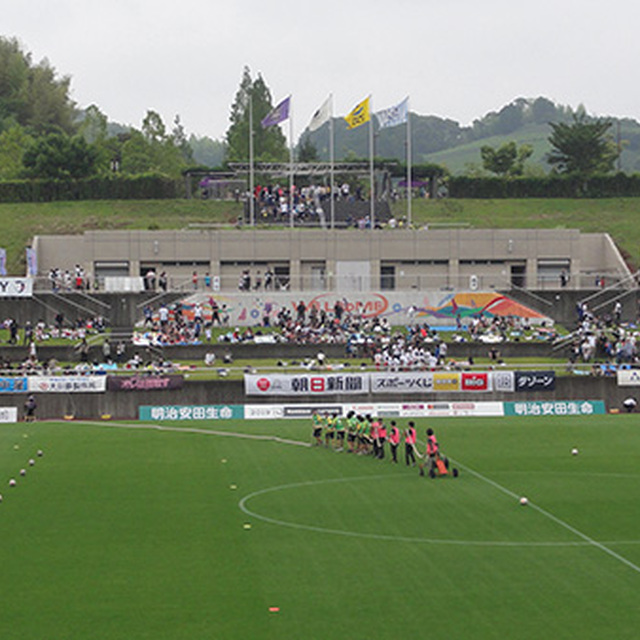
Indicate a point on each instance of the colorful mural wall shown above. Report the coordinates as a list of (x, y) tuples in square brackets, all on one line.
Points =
[(434, 308)]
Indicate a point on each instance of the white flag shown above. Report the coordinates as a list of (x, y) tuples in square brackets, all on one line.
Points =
[(321, 116), (394, 116)]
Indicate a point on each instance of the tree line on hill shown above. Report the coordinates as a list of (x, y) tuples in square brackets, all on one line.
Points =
[(45, 136)]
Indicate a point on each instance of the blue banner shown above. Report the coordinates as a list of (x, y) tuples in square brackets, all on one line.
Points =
[(13, 384)]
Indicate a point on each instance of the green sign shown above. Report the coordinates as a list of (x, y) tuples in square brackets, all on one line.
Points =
[(192, 412), (554, 408)]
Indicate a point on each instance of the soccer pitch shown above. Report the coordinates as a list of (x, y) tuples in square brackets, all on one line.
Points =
[(239, 529)]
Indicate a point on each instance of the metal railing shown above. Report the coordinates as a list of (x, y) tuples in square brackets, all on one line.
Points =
[(401, 280)]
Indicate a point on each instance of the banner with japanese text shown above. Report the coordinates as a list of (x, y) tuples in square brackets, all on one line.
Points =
[(191, 412), (535, 380), (555, 408), (67, 384), (306, 384), (402, 382)]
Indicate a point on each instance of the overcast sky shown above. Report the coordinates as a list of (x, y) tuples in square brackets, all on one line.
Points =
[(455, 58)]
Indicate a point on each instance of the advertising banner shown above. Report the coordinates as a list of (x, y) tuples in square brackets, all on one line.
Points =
[(306, 384), (503, 381), (16, 287), (144, 383), (535, 380), (446, 381), (305, 411), (67, 384), (472, 381), (451, 409), (555, 408), (263, 411), (13, 385), (402, 382), (628, 377), (192, 412), (8, 414)]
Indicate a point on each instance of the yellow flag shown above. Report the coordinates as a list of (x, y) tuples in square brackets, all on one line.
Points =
[(359, 114)]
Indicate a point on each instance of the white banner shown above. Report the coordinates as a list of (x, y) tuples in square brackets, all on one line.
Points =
[(67, 384), (402, 382), (503, 381), (451, 409), (386, 410), (16, 287), (629, 377), (8, 414), (263, 411), (124, 284), (306, 384)]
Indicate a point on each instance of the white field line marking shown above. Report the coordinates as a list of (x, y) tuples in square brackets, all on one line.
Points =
[(379, 536), (547, 514), (206, 432)]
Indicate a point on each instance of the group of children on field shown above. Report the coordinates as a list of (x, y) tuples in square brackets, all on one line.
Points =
[(367, 435)]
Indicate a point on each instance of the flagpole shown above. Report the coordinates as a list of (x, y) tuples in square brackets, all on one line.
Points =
[(291, 161), (409, 177), (251, 177), (331, 163), (372, 194)]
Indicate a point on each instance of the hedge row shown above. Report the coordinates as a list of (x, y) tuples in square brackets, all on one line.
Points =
[(142, 187), (619, 185)]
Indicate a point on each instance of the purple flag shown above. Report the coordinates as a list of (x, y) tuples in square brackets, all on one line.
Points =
[(32, 262), (277, 115)]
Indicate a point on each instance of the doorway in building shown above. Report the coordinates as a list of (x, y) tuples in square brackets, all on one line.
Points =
[(518, 275)]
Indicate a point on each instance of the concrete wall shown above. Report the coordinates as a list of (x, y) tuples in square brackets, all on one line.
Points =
[(287, 352), (220, 251)]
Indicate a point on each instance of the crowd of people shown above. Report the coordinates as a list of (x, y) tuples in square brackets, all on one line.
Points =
[(69, 280), (605, 337)]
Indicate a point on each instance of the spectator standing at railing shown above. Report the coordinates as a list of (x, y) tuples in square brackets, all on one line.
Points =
[(162, 281), (67, 280), (150, 280), (194, 280), (268, 279)]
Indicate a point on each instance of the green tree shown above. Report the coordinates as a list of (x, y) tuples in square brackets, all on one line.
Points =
[(307, 151), (206, 152), (94, 124), (507, 159), (32, 95), (583, 146), (57, 155), (270, 145), (151, 150), (13, 142), (179, 140)]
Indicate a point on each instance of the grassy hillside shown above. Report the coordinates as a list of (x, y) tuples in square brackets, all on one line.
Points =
[(20, 222), (617, 216), (460, 159)]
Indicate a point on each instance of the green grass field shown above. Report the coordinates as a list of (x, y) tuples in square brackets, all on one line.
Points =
[(119, 531)]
